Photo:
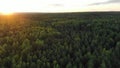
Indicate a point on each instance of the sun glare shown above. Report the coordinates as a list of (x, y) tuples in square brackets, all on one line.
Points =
[(6, 13)]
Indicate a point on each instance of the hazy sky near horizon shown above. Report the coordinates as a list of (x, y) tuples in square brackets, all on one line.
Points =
[(58, 5)]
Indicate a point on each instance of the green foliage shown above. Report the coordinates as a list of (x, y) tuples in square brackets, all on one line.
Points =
[(72, 40), (103, 65)]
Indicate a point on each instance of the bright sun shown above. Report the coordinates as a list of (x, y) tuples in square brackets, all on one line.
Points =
[(6, 13)]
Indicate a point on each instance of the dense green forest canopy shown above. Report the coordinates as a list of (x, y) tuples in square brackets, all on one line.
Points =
[(61, 40)]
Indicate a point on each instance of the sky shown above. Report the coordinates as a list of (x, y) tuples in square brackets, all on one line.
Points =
[(59, 5)]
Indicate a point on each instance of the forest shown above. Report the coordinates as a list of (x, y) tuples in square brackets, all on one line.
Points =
[(60, 40)]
